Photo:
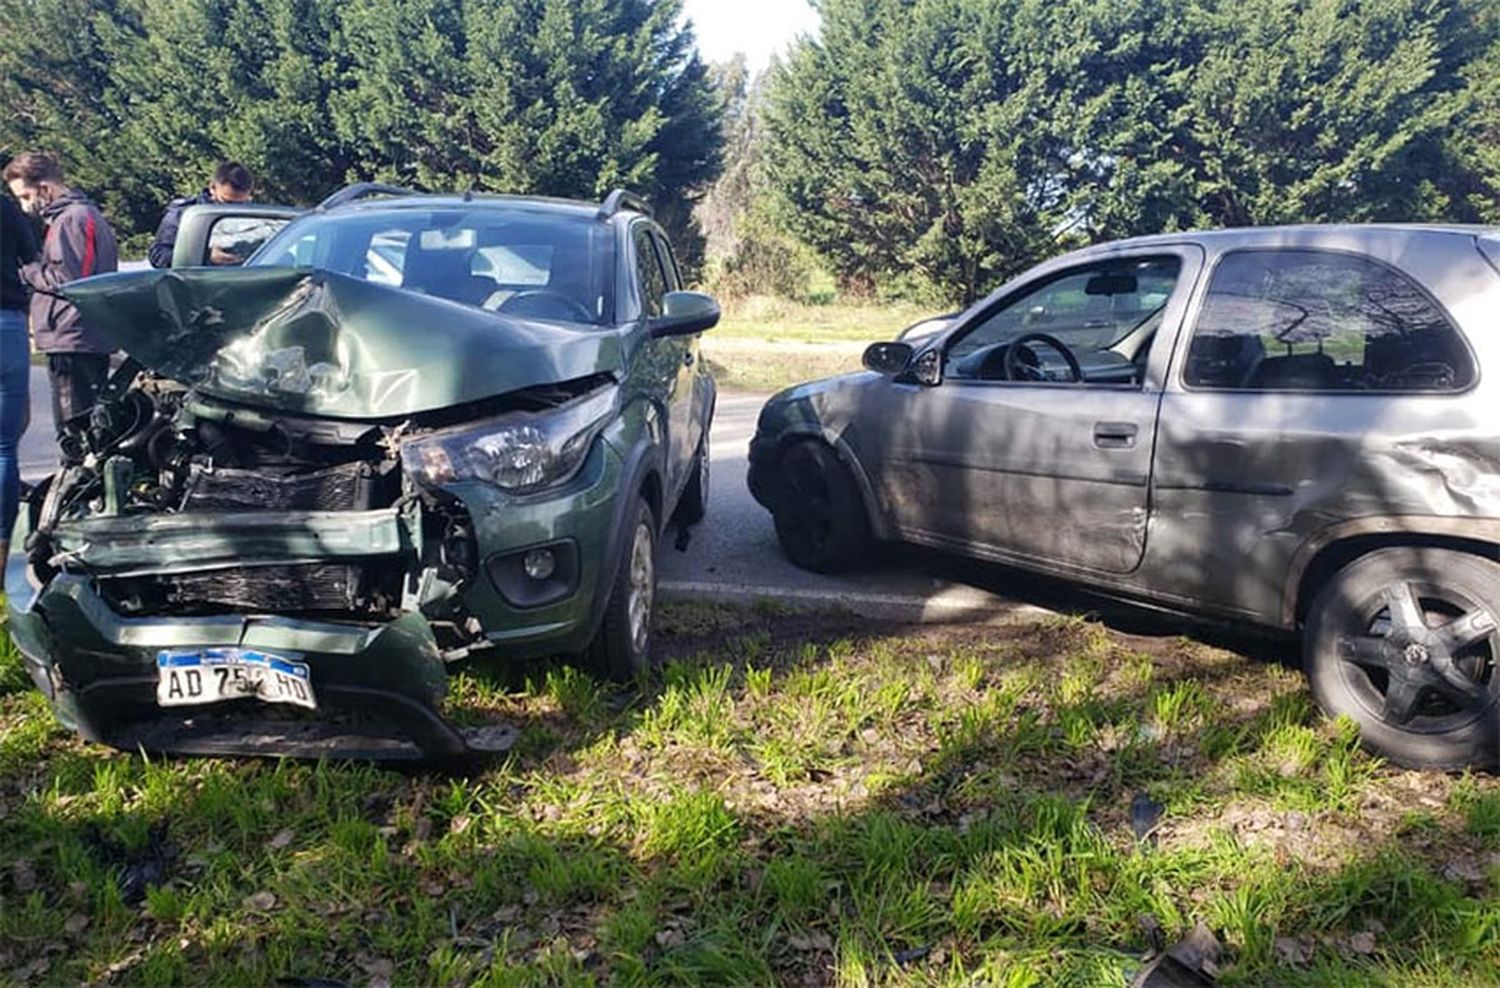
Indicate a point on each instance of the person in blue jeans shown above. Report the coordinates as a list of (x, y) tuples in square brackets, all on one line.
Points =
[(17, 247)]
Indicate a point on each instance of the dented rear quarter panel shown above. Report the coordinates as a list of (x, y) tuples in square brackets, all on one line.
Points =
[(1249, 486)]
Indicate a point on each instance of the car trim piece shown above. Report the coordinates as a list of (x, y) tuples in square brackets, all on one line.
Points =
[(211, 539), (1231, 487), (1118, 479)]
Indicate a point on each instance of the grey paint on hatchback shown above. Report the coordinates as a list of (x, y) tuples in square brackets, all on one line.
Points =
[(1290, 427)]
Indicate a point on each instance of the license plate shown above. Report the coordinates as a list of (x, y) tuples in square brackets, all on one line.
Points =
[(208, 675)]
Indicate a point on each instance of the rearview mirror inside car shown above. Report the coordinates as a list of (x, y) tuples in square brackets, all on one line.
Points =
[(1110, 284), (684, 314), (888, 358)]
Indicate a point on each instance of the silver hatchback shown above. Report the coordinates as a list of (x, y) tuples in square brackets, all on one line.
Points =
[(1289, 427)]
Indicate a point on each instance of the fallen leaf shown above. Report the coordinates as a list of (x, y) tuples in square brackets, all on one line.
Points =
[(1463, 870), (670, 938), (1290, 950), (262, 901), (459, 823), (23, 875), (76, 923), (1362, 943), (817, 940), (282, 839)]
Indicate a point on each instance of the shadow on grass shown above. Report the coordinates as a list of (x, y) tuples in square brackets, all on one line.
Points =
[(801, 799)]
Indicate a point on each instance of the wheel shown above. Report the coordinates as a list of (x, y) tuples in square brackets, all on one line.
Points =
[(1406, 641), (693, 505), (621, 650), (820, 517)]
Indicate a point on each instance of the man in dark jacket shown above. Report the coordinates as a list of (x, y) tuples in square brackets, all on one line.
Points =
[(79, 243), (232, 182)]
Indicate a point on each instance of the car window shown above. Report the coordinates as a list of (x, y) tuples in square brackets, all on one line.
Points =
[(653, 282), (1088, 310), (241, 236), (1307, 320), (668, 263), (516, 261)]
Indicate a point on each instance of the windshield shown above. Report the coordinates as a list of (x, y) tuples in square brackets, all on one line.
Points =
[(503, 259)]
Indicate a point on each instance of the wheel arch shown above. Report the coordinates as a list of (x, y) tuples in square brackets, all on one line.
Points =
[(1324, 555), (879, 527)]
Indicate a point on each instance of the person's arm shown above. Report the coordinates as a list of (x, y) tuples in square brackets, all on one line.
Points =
[(75, 236), (160, 254), (26, 248)]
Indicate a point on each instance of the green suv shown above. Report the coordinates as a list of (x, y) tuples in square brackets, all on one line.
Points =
[(410, 430)]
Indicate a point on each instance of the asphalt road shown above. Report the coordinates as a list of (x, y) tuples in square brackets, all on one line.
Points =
[(733, 554)]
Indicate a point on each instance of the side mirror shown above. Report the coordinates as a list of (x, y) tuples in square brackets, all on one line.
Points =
[(685, 314), (888, 358)]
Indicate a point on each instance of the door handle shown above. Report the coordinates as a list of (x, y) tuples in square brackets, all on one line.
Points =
[(1115, 435)]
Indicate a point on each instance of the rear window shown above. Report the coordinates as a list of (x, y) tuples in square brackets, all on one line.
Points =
[(1307, 320), (516, 261)]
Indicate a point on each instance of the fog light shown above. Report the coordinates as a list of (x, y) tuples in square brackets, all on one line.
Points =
[(539, 564)]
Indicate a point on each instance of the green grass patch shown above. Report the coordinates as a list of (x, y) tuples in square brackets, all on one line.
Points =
[(795, 799)]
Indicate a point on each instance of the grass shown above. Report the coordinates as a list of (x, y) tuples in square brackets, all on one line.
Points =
[(797, 799), (766, 344), (777, 320)]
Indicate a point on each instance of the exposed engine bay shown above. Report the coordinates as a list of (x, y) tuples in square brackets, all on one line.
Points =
[(173, 501)]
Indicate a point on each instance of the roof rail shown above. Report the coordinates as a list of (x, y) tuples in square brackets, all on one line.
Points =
[(620, 199), (361, 190)]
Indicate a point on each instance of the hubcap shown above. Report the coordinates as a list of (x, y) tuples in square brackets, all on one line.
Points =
[(1422, 657), (642, 588)]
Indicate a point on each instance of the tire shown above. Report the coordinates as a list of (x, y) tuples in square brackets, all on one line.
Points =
[(692, 507), (1406, 642), (621, 649), (819, 514)]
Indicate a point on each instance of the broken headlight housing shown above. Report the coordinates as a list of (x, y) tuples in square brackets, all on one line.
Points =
[(519, 452)]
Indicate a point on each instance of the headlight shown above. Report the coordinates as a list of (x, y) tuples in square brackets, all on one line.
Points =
[(520, 452)]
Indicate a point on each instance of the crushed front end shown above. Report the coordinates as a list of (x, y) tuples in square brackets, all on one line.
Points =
[(212, 573)]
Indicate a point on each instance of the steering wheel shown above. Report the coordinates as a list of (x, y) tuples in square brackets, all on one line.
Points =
[(517, 304), (1013, 360)]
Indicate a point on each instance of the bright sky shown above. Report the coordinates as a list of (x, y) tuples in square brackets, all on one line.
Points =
[(759, 28)]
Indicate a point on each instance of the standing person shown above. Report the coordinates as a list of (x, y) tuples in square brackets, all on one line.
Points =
[(79, 243), (17, 247), (232, 182)]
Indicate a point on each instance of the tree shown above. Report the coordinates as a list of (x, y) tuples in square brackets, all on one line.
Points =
[(955, 142), (564, 97)]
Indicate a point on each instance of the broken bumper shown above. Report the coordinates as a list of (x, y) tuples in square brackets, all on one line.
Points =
[(378, 687)]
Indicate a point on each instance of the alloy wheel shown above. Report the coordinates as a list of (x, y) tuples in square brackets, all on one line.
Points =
[(642, 588), (1421, 657)]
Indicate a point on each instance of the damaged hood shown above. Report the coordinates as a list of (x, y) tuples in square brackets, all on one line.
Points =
[(312, 342)]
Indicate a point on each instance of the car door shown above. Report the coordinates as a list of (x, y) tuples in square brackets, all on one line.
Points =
[(688, 402), (1041, 469), (236, 228), (663, 358)]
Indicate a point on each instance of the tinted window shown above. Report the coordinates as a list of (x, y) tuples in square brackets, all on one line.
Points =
[(517, 261), (1300, 320), (653, 282)]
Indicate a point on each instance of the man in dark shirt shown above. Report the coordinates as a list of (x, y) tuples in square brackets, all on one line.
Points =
[(232, 182), (79, 243), (17, 247)]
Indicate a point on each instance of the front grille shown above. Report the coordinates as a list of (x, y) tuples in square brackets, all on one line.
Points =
[(293, 588), (348, 487)]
